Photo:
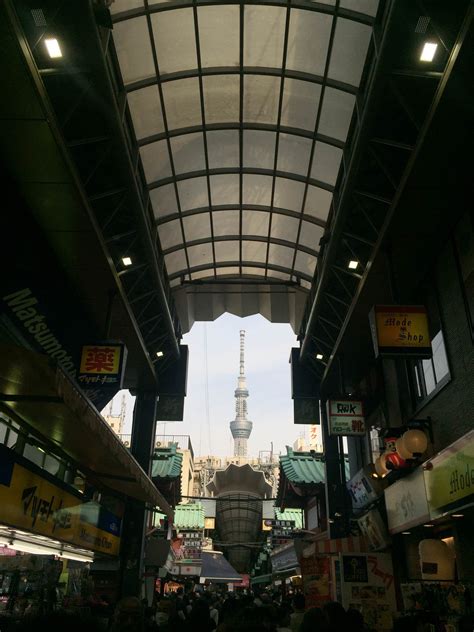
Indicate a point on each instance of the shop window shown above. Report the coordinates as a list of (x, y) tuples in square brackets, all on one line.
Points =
[(431, 375), (34, 454)]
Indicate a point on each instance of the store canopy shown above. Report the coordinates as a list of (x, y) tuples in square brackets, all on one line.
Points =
[(166, 463), (216, 568), (48, 401)]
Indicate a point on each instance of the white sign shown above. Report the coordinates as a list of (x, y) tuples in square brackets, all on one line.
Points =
[(346, 417), (406, 502), (361, 489)]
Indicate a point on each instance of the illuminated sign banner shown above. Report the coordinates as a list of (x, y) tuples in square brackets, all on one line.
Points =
[(400, 330), (346, 417), (35, 504), (101, 371)]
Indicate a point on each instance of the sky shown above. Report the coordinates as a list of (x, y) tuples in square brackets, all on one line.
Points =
[(270, 407)]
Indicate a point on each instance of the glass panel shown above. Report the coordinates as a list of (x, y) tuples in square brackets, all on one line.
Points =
[(259, 149), (200, 255), (261, 98), (281, 276), (305, 263), (227, 250), (228, 271), (253, 271), (254, 251), (145, 110), (163, 201), (318, 202), (223, 149), (264, 34), (176, 262), (280, 256), (440, 359), (193, 193), (156, 161), (170, 234), (336, 113), (428, 372), (51, 464), (175, 282), (351, 42), (225, 222), (221, 98), (293, 154), (305, 284), (308, 41), (203, 274), (124, 5), (136, 62), (326, 163), (219, 35), (11, 439), (310, 234), (174, 40), (257, 189), (284, 227), (369, 7), (289, 194), (225, 189), (34, 455), (197, 226), (255, 223), (183, 106), (3, 432), (300, 104), (188, 152)]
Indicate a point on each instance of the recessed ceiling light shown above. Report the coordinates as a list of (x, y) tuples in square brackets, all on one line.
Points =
[(428, 525), (428, 52), (126, 261), (406, 532), (319, 356), (53, 48), (457, 515), (159, 354), (353, 265)]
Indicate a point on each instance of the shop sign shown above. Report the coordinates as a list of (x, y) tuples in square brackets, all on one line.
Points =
[(449, 480), (315, 573), (361, 490), (279, 524), (400, 330), (101, 371), (284, 559), (346, 417), (374, 530), (406, 503), (35, 504)]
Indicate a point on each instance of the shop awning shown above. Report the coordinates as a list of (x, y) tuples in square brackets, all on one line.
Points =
[(46, 399), (261, 579), (217, 569)]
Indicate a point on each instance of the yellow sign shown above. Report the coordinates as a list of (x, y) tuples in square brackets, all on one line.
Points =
[(450, 482), (400, 330), (101, 359), (32, 503)]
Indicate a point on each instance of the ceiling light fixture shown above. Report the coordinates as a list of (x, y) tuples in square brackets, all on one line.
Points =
[(319, 356), (428, 52), (126, 261), (159, 354), (353, 265), (53, 48), (406, 532), (428, 525), (457, 515)]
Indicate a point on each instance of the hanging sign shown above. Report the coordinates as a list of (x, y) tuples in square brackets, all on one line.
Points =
[(400, 330), (101, 371), (346, 417)]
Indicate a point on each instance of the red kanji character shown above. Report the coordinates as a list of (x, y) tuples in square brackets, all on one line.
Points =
[(100, 359)]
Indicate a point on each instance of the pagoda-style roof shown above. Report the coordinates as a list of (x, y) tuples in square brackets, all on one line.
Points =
[(189, 516), (295, 515), (302, 467), (166, 468)]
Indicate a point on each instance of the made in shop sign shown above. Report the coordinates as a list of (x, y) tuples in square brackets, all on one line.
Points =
[(346, 417)]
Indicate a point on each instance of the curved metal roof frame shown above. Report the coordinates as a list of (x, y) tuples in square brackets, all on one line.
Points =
[(242, 107)]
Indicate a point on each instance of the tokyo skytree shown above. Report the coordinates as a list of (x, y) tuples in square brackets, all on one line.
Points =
[(241, 427)]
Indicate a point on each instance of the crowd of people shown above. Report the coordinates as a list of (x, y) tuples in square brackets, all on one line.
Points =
[(225, 612)]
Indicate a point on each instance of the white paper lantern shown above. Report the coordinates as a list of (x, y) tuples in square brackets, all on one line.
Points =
[(415, 442), (402, 451), (381, 466)]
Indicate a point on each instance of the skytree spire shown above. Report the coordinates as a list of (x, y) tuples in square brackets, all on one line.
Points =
[(241, 427)]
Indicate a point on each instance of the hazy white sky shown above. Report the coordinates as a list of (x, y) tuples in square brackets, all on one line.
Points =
[(270, 406)]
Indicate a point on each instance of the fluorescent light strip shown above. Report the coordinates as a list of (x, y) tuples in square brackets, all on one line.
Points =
[(53, 48)]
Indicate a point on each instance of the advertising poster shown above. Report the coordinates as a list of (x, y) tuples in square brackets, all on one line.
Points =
[(315, 571), (367, 585)]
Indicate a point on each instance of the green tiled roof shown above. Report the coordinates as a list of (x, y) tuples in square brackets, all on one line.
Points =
[(290, 514), (189, 516), (166, 463), (302, 467)]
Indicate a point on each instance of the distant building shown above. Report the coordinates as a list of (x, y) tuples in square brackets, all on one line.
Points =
[(117, 422), (241, 427), (313, 442)]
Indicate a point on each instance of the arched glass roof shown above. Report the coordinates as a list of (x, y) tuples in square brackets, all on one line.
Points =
[(241, 111)]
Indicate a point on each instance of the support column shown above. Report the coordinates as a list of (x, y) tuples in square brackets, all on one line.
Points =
[(336, 493), (133, 535)]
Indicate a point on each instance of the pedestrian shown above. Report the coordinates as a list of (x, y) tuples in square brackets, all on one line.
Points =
[(129, 616), (296, 617)]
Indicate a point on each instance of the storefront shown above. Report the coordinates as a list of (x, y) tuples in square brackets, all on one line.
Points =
[(430, 515)]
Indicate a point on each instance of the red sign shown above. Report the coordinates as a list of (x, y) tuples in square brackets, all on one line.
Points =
[(316, 574)]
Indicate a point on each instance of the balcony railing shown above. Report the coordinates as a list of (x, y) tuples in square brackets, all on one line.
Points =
[(182, 442)]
